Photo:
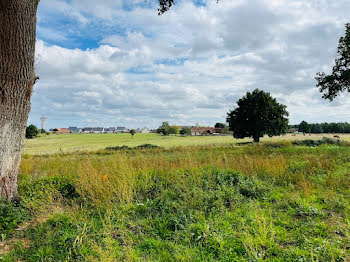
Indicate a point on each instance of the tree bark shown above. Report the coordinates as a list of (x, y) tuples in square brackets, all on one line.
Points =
[(256, 139), (17, 78)]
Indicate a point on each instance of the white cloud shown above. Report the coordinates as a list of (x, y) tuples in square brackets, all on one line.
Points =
[(188, 65)]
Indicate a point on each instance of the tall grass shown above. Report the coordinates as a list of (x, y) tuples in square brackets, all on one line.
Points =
[(230, 203)]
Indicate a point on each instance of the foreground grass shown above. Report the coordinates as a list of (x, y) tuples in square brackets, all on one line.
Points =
[(272, 202), (65, 143)]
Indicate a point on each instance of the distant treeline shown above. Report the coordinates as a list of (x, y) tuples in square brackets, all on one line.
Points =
[(322, 128)]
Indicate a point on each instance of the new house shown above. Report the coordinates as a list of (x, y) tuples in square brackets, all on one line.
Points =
[(93, 130), (73, 129), (121, 129), (110, 130), (144, 130), (61, 130), (206, 131)]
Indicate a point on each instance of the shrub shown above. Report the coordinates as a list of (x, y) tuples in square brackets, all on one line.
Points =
[(148, 146), (311, 143), (144, 146), (117, 148), (252, 188), (228, 178), (31, 132)]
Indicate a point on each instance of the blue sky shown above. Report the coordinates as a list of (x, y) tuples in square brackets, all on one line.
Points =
[(117, 63)]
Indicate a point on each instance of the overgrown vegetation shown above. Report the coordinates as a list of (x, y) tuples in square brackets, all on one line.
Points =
[(31, 132), (274, 202), (144, 146), (323, 141)]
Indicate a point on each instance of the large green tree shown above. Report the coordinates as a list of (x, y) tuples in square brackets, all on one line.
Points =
[(174, 130), (257, 114), (185, 131), (164, 128), (304, 127), (339, 81), (17, 78), (167, 129)]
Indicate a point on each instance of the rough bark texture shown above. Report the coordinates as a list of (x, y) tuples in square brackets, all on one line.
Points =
[(17, 77)]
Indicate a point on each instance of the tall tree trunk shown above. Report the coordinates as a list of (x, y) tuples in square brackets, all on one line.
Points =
[(17, 77)]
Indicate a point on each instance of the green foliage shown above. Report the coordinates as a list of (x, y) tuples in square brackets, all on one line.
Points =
[(34, 193), (320, 128), (166, 129), (304, 127), (259, 202), (12, 214), (173, 130), (220, 125), (148, 146), (310, 142), (339, 81), (132, 132), (185, 131), (31, 132), (316, 129), (116, 148), (58, 234), (144, 146), (258, 114)]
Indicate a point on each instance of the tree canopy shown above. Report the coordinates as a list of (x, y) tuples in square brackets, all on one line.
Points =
[(132, 132), (31, 131), (167, 129), (323, 128), (185, 131), (304, 127), (220, 125), (164, 5), (258, 114), (339, 81)]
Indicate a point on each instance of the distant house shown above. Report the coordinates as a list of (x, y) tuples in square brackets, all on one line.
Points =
[(145, 130), (87, 130), (110, 130), (73, 129), (93, 130), (98, 130), (62, 130), (293, 130), (218, 131), (203, 131), (121, 129)]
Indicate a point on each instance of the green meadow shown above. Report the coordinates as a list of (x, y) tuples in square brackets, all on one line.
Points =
[(214, 201), (89, 142), (68, 143)]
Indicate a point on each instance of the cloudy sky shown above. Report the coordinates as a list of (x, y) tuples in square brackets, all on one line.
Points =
[(117, 63)]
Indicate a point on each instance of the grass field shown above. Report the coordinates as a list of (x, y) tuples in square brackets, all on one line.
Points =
[(266, 202), (90, 142)]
